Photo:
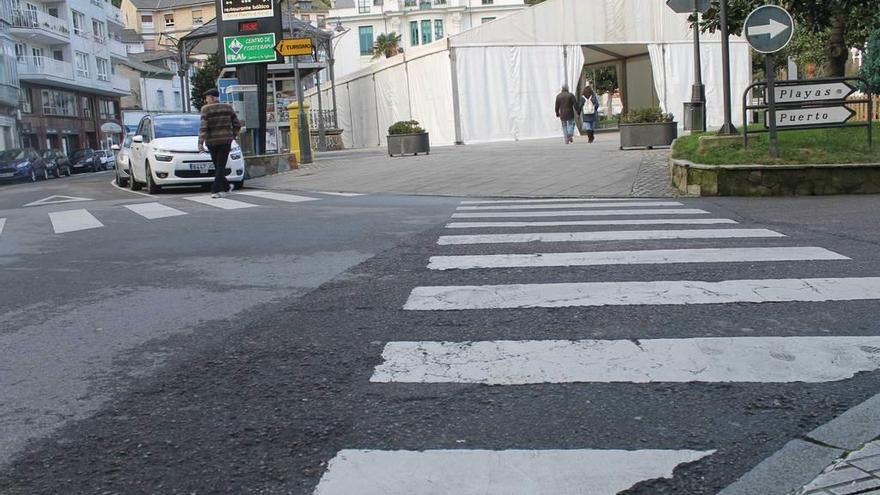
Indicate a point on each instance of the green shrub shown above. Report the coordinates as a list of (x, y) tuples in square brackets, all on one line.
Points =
[(870, 71), (646, 116), (405, 127)]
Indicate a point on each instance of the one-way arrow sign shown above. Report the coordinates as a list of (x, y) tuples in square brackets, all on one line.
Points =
[(813, 92), (797, 117), (769, 28), (689, 6)]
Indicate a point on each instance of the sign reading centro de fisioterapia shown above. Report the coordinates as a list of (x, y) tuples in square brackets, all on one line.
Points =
[(245, 9), (249, 49)]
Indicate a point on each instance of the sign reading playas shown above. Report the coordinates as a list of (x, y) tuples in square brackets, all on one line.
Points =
[(246, 9), (811, 92), (249, 49), (818, 116)]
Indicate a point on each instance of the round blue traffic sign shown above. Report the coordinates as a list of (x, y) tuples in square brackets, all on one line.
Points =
[(768, 28)]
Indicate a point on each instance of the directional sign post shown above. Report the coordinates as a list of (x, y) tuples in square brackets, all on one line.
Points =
[(689, 6), (813, 92), (292, 47), (813, 116)]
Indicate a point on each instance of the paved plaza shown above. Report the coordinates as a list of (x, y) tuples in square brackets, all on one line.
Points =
[(544, 168)]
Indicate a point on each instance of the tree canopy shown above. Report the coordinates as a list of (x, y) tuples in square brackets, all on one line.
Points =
[(204, 79), (870, 71)]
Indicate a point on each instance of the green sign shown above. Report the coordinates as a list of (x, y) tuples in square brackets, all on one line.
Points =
[(249, 49)]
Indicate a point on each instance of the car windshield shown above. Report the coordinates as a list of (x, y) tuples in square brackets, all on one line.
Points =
[(13, 154), (127, 142), (181, 125), (82, 154)]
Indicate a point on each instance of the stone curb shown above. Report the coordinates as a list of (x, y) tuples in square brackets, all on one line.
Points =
[(800, 461), (754, 166)]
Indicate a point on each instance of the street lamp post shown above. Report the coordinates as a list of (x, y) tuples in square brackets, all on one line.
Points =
[(305, 141), (728, 127)]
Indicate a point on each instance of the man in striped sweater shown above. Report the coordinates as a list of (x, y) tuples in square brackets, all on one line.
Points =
[(218, 128)]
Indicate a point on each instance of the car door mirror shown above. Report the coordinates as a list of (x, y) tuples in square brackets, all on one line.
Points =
[(137, 139)]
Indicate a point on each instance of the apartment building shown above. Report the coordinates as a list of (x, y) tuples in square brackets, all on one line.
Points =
[(419, 22), (9, 87), (163, 22), (66, 56)]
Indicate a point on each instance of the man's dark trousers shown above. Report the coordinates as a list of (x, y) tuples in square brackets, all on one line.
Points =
[(219, 155)]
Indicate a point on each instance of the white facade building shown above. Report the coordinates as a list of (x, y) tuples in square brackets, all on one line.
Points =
[(418, 22)]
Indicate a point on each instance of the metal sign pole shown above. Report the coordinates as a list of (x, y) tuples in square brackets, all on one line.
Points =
[(698, 91), (728, 127), (305, 142), (770, 96)]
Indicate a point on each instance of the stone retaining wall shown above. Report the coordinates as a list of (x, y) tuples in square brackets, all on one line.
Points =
[(260, 165), (774, 180)]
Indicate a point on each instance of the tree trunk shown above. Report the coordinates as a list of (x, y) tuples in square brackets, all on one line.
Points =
[(836, 53)]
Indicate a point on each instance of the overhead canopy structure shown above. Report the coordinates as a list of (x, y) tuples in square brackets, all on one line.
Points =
[(498, 81)]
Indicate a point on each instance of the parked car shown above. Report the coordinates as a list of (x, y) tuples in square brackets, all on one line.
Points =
[(107, 157), (57, 163), (85, 160), (22, 164), (122, 159), (164, 152)]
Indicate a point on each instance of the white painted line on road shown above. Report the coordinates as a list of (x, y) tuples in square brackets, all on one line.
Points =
[(152, 211), (497, 472), (56, 199), (580, 213), (674, 292), (222, 203), (287, 198), (553, 200), (648, 221), (639, 204), (708, 360), (344, 194), (117, 186), (73, 220), (606, 235), (647, 257), (2, 224)]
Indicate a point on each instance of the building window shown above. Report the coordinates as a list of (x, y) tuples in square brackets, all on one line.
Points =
[(99, 31), (364, 6), (438, 29), (197, 17), (178, 102), (306, 18), (38, 56), (426, 32), (409, 3), (439, 2), (488, 2), (103, 66), (86, 106), (59, 103), (147, 21), (20, 52), (484, 20), (27, 104), (169, 20), (79, 23), (322, 21), (82, 64), (414, 33), (365, 35), (160, 99), (107, 109)]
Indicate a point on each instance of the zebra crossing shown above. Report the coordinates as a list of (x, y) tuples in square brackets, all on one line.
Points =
[(79, 219), (553, 362)]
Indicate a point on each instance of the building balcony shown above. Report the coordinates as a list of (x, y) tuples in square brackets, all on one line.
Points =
[(114, 15), (9, 95), (121, 83), (117, 48), (40, 27), (39, 69)]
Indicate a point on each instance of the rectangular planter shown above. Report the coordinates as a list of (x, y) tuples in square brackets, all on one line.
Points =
[(647, 135), (409, 144)]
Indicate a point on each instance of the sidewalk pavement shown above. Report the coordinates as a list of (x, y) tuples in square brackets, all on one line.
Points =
[(857, 473), (546, 168)]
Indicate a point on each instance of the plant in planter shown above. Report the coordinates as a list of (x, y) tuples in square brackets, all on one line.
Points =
[(646, 128), (406, 137)]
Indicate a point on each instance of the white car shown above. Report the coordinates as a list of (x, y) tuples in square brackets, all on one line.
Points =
[(107, 157), (164, 152), (122, 161)]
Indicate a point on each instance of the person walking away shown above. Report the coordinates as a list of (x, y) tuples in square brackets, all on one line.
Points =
[(566, 109), (589, 104), (218, 127)]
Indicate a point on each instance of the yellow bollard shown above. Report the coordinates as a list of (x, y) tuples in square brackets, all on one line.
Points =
[(293, 110)]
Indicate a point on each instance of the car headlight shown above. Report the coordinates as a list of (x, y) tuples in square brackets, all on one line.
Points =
[(22, 165), (163, 156)]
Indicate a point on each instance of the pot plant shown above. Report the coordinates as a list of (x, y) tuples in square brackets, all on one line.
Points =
[(646, 128), (406, 137)]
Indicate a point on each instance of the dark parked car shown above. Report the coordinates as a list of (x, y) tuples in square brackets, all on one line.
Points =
[(57, 163), (86, 160), (22, 164)]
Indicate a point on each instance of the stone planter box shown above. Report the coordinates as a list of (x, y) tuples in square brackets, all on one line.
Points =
[(409, 144), (647, 135)]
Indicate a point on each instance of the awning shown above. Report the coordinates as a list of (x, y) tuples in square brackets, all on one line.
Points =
[(111, 128)]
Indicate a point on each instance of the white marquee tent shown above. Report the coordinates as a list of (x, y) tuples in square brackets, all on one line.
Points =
[(498, 81)]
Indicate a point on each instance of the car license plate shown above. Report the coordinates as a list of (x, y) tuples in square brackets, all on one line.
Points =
[(202, 167)]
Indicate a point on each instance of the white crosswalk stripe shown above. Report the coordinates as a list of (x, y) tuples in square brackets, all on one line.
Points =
[(493, 472), (2, 224), (646, 257), (741, 359), (639, 204), (553, 200), (73, 220), (573, 223), (610, 235), (343, 194), (580, 213), (153, 211), (287, 198), (222, 203)]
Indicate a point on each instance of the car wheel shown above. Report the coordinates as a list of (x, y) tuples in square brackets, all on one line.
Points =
[(120, 181), (133, 184), (238, 185), (67, 171), (57, 172), (152, 188)]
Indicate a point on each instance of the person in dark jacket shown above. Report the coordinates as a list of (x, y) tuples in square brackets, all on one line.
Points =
[(590, 112), (566, 110), (219, 126)]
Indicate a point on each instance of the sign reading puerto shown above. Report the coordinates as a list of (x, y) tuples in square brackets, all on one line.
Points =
[(249, 49), (246, 9), (769, 28), (813, 116)]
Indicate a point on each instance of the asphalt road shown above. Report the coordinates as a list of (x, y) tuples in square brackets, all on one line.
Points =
[(233, 350)]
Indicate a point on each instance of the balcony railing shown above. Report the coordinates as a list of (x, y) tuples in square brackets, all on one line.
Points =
[(114, 14), (33, 19), (117, 48), (121, 83), (43, 66), (317, 116)]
